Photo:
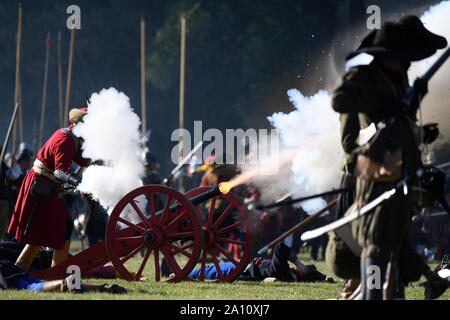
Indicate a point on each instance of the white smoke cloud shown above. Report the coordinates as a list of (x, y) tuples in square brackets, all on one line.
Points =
[(111, 133), (313, 130)]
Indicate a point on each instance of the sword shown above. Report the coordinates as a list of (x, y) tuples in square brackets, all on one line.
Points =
[(312, 234)]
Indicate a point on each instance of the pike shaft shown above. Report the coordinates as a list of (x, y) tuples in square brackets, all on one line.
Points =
[(436, 65), (298, 226), (8, 134)]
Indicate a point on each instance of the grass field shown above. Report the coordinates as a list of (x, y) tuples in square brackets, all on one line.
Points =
[(238, 290)]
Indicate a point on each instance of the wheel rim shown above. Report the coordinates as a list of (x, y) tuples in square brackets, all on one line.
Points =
[(135, 225), (218, 235)]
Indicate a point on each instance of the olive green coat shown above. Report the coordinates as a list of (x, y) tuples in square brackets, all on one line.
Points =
[(373, 92)]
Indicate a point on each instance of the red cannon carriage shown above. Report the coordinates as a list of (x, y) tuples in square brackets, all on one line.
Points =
[(155, 223)]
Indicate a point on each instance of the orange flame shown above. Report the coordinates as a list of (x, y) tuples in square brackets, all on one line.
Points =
[(225, 187)]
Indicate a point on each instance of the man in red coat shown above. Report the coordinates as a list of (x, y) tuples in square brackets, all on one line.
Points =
[(39, 217)]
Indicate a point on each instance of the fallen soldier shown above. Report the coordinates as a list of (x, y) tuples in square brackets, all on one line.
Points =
[(277, 268), (13, 277), (10, 250)]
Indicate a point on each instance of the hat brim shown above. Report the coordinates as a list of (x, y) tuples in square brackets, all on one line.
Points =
[(407, 54)]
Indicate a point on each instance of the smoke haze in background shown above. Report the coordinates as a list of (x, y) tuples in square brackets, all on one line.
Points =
[(436, 104), (111, 133), (312, 129)]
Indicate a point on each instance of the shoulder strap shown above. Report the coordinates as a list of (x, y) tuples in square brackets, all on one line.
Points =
[(389, 81), (69, 132)]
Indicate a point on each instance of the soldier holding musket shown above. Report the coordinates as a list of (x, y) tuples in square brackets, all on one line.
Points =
[(374, 93)]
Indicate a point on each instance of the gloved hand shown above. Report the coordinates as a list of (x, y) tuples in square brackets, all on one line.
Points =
[(430, 132), (420, 90), (74, 180)]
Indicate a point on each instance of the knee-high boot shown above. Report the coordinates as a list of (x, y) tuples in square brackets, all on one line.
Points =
[(373, 274), (61, 254), (27, 256)]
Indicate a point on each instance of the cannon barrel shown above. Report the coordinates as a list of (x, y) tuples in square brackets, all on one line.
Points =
[(205, 196), (196, 200)]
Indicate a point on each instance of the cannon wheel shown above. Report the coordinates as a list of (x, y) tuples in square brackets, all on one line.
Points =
[(136, 227), (218, 237)]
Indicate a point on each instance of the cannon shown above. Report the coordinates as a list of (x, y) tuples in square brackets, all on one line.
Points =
[(155, 227)]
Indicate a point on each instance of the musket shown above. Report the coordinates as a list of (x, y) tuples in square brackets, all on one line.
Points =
[(431, 215), (298, 226), (443, 165), (426, 77), (8, 134), (319, 195), (182, 162)]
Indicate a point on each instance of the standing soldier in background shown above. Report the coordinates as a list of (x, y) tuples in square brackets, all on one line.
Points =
[(39, 217), (374, 92), (4, 206), (13, 171)]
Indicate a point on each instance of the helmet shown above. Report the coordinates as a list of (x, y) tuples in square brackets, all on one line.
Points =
[(23, 152)]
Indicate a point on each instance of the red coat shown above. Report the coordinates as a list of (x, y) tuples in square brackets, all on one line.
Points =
[(48, 226)]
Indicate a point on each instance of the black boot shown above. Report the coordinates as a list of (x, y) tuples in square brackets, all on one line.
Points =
[(373, 273)]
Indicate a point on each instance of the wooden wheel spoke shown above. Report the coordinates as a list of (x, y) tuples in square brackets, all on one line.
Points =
[(230, 227), (178, 250), (139, 212), (152, 206), (219, 221), (157, 268), (211, 211), (131, 225), (144, 262), (166, 211), (174, 220), (239, 243), (203, 265), (132, 253), (188, 245), (216, 263), (171, 261), (226, 254)]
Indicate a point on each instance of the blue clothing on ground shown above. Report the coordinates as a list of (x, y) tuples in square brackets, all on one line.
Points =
[(31, 283), (211, 271)]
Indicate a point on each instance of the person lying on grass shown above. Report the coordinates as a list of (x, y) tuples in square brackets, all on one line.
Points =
[(276, 268), (13, 277)]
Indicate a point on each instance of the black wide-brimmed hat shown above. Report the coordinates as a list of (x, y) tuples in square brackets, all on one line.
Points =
[(405, 40)]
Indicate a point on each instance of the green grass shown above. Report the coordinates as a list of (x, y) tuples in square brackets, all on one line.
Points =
[(239, 290)]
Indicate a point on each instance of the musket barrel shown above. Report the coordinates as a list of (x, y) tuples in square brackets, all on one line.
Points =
[(430, 72), (199, 199), (319, 195)]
